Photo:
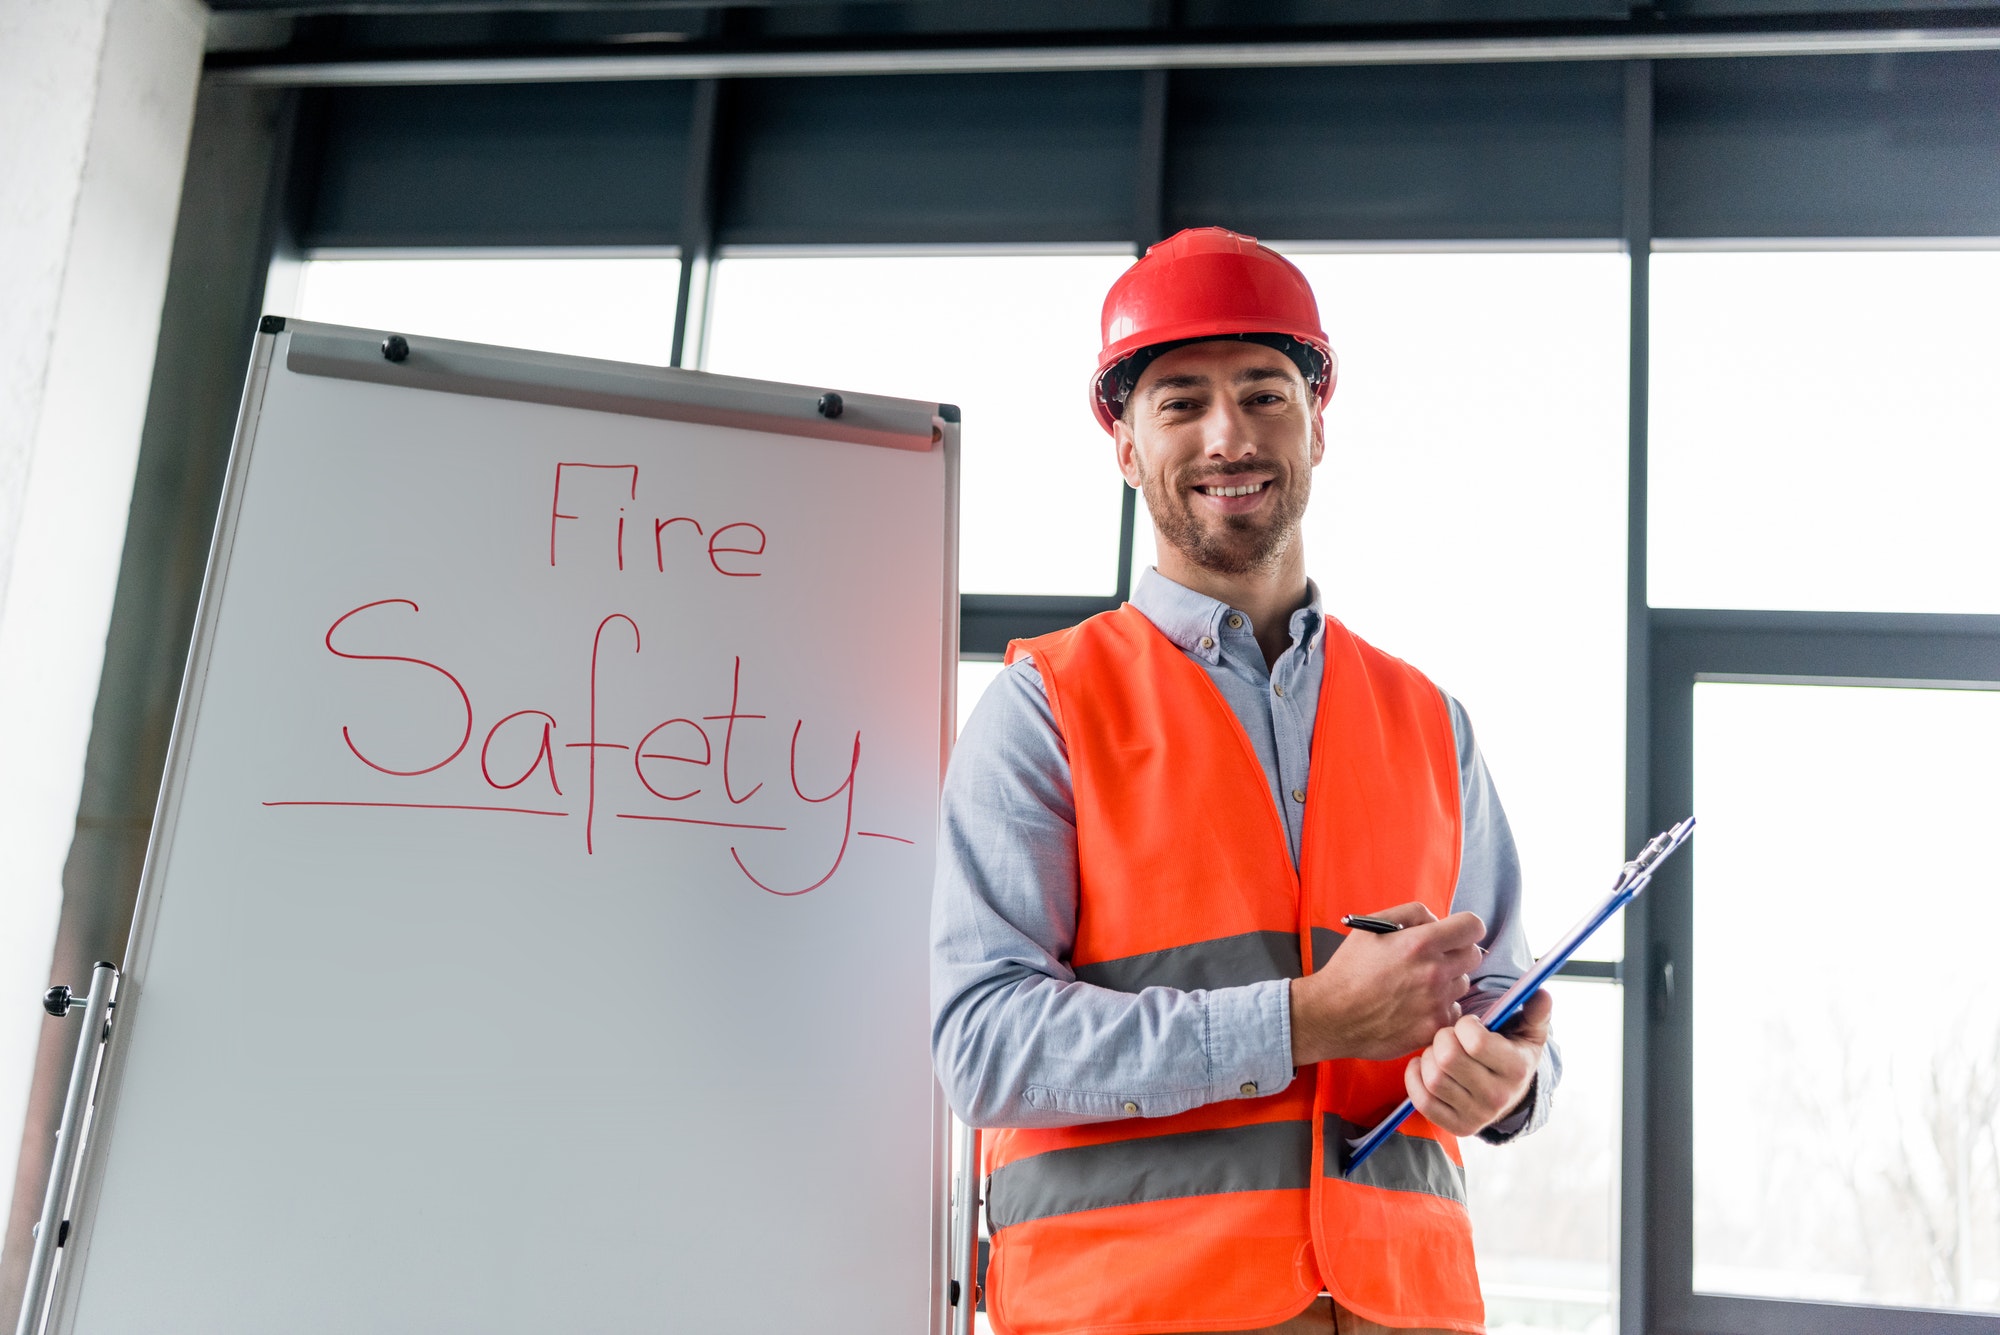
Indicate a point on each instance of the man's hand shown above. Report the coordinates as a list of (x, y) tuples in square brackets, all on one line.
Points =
[(1470, 1077), (1382, 996)]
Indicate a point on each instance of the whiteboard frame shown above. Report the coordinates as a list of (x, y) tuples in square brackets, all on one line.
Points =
[(539, 377)]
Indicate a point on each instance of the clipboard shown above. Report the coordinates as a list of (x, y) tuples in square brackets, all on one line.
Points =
[(1633, 877)]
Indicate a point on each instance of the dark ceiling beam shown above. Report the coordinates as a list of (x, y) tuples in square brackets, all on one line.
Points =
[(1132, 56)]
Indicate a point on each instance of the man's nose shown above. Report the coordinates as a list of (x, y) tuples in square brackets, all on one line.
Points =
[(1225, 433)]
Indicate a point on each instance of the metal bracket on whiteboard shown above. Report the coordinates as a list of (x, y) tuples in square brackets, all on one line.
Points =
[(52, 1232), (612, 387)]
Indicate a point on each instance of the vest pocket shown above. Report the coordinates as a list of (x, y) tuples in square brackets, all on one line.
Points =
[(1404, 1163)]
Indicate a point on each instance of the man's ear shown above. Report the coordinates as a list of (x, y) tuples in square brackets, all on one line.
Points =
[(1127, 446), (1319, 436)]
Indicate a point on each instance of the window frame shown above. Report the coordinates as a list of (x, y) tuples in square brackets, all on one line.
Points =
[(1805, 648)]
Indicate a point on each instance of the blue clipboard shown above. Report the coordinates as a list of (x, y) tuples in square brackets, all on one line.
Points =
[(1633, 877)]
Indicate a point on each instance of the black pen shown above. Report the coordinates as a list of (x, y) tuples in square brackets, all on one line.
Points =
[(1365, 923)]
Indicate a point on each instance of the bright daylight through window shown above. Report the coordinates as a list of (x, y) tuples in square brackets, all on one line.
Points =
[(1010, 339), (616, 307), (1846, 1068), (1825, 430)]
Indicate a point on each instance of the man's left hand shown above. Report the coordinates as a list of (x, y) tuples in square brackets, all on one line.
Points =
[(1470, 1077)]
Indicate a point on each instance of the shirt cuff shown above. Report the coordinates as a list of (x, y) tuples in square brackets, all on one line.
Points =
[(1533, 1112), (1248, 1039)]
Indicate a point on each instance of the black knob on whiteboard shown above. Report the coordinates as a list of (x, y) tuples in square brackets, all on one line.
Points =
[(830, 405), (395, 347), (57, 1001)]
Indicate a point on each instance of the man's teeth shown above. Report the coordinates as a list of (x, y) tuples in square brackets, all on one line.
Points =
[(1248, 490)]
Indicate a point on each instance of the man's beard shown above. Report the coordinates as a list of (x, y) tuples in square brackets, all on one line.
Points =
[(1227, 544)]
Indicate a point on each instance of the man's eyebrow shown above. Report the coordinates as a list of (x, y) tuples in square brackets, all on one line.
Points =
[(1249, 375)]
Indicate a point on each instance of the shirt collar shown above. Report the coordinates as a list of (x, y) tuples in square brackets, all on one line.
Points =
[(1189, 618)]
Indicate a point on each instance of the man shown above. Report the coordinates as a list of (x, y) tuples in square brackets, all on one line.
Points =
[(1140, 968)]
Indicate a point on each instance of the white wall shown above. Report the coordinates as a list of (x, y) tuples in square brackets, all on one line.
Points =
[(96, 102)]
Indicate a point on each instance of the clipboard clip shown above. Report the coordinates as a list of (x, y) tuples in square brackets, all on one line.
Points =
[(1637, 873)]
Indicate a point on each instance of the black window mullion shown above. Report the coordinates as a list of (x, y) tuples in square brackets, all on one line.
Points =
[(1661, 1007), (1149, 226), (697, 220), (987, 621), (1634, 1281)]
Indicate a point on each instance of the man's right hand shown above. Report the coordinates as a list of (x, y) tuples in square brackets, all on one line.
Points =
[(1382, 996)]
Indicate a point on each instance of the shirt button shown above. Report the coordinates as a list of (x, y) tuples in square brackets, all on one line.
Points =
[(1207, 643), (1298, 794), (1249, 1087), (1131, 1107), (1279, 691), (1235, 621)]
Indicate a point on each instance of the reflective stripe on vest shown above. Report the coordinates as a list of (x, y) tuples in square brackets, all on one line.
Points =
[(1228, 961), (1264, 1156), (1233, 1215)]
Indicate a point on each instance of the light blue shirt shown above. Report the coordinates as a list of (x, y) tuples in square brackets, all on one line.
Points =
[(1016, 1039)]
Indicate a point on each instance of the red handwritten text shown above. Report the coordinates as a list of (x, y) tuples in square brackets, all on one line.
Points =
[(464, 699), (597, 500), (667, 757)]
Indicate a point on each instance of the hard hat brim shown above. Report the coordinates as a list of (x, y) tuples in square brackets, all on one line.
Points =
[(1110, 366)]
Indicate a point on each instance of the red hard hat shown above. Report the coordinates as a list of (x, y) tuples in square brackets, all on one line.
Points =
[(1208, 282)]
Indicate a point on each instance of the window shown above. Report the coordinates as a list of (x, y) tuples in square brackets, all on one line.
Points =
[(616, 307), (974, 676), (1010, 339), (1825, 430), (1544, 1211), (1846, 1028)]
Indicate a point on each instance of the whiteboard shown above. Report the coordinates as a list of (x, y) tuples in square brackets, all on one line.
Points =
[(534, 933)]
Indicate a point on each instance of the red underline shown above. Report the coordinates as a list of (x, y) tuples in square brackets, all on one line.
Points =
[(532, 811), (689, 820), (423, 806)]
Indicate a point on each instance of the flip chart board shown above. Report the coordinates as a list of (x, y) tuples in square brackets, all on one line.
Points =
[(534, 933)]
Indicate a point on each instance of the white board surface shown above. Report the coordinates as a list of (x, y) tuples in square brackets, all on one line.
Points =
[(556, 1028)]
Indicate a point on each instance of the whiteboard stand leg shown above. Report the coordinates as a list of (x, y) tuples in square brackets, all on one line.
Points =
[(965, 1233), (53, 1230)]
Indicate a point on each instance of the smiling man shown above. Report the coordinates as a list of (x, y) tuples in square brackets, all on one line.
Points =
[(1154, 826)]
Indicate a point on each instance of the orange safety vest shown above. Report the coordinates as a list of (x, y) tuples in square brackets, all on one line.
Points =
[(1235, 1215)]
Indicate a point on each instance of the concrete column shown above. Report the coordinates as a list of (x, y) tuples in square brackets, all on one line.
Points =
[(96, 101)]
